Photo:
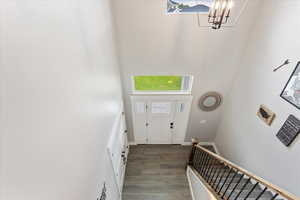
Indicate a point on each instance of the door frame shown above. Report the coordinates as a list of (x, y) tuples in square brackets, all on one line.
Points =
[(145, 98)]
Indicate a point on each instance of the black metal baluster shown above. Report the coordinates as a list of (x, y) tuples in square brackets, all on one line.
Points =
[(274, 196), (236, 173), (209, 164), (204, 158), (242, 189), (215, 171), (204, 164), (221, 177), (211, 169), (250, 191), (200, 160), (214, 181), (225, 180), (261, 193), (236, 186), (197, 158)]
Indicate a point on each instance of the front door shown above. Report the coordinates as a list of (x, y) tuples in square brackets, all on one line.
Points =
[(160, 120)]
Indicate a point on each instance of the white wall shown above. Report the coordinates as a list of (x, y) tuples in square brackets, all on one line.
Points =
[(154, 43), (242, 137), (60, 94)]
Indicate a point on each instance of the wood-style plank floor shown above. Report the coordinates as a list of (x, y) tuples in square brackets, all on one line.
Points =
[(157, 172)]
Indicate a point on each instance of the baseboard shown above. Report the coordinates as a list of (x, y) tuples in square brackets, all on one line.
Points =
[(132, 143), (183, 143), (217, 150), (186, 143), (212, 144)]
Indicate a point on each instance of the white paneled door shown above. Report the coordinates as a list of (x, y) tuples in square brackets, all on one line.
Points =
[(160, 119)]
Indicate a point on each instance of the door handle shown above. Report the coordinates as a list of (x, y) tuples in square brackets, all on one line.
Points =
[(124, 157), (171, 125)]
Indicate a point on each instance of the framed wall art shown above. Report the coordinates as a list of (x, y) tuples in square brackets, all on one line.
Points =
[(265, 114), (188, 6), (291, 91)]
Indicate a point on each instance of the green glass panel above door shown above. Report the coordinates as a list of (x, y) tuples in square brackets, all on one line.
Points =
[(157, 83)]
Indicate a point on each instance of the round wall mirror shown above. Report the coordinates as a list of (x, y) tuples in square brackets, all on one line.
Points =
[(210, 101)]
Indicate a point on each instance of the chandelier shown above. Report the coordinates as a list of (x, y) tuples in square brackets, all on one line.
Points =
[(219, 13)]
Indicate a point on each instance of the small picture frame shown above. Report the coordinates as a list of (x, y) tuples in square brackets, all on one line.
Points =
[(266, 115), (291, 91)]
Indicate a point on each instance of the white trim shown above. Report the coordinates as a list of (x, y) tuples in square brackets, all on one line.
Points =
[(132, 143), (134, 92), (114, 172), (178, 92), (159, 97), (190, 182), (186, 143)]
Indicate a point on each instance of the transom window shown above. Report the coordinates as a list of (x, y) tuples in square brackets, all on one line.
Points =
[(162, 84)]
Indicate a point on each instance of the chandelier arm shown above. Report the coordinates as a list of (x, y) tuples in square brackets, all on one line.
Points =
[(222, 16), (226, 20)]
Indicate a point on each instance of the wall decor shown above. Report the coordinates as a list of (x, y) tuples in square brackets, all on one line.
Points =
[(289, 131), (291, 91), (286, 62), (210, 101), (189, 6), (265, 115)]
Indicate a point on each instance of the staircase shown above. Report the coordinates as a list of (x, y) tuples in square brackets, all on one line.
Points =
[(227, 181)]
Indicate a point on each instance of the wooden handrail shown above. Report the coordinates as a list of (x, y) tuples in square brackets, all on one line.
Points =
[(271, 186)]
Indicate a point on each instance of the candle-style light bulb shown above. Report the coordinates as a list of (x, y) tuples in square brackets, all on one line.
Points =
[(213, 5), (211, 9), (230, 4), (217, 5), (224, 5), (215, 8)]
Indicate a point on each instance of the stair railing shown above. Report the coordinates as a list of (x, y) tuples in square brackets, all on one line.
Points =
[(227, 181)]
